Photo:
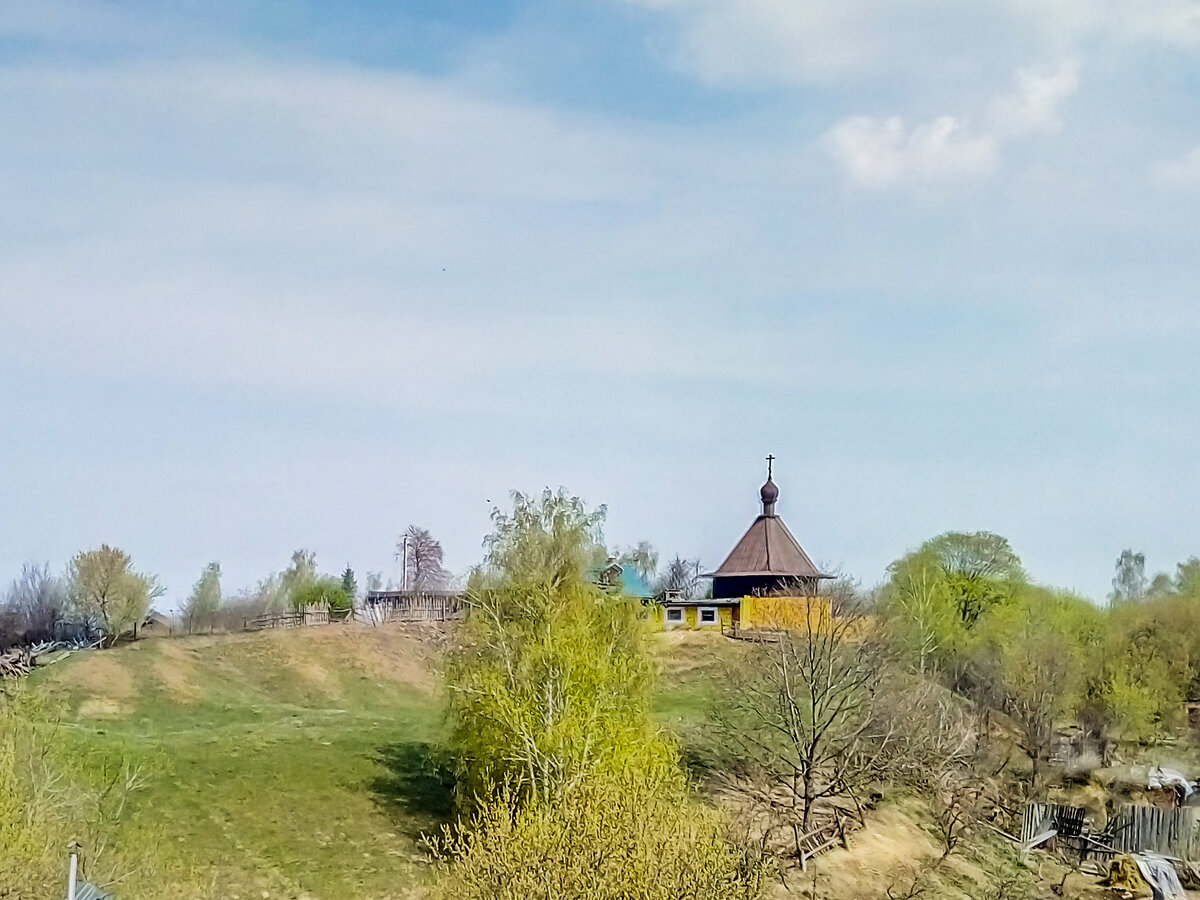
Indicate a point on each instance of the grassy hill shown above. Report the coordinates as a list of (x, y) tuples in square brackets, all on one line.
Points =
[(288, 764)]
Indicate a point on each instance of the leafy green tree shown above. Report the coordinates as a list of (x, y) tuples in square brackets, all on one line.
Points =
[(298, 576), (322, 591), (552, 538), (350, 584), (568, 788), (1187, 578), (1033, 661), (1129, 583), (982, 571), (106, 593), (201, 607), (920, 614)]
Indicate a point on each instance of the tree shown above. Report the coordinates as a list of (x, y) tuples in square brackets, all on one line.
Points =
[(322, 591), (552, 537), (1033, 664), (422, 560), (35, 602), (1187, 578), (1129, 582), (298, 576), (568, 787), (642, 558), (920, 614), (374, 581), (681, 576), (107, 594), (981, 569), (799, 717), (201, 607), (349, 584)]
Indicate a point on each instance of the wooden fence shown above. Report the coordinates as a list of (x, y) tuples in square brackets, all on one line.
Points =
[(1170, 832), (414, 606), (311, 615)]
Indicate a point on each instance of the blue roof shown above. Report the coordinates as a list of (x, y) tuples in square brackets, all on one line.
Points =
[(631, 582), (634, 585)]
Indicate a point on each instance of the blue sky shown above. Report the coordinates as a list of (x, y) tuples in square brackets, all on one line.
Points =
[(295, 274)]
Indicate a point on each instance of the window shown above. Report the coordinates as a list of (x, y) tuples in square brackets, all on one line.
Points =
[(708, 615), (674, 615)]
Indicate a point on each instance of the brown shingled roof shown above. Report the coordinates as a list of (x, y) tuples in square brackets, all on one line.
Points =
[(768, 548)]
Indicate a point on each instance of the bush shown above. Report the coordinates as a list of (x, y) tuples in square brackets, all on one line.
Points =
[(324, 590), (604, 839)]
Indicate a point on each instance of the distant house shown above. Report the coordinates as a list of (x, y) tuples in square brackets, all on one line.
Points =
[(767, 580), (613, 575), (155, 624)]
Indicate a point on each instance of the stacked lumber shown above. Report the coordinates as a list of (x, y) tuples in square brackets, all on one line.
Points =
[(20, 661)]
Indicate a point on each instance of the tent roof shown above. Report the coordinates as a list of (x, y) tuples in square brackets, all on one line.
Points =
[(768, 548)]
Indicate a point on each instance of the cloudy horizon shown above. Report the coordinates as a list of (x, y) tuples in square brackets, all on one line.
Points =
[(299, 275)]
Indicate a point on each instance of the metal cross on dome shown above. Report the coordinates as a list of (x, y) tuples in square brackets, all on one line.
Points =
[(770, 465)]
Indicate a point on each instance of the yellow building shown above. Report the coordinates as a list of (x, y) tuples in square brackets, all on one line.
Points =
[(767, 581)]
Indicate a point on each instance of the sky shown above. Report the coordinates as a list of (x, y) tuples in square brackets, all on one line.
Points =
[(298, 274)]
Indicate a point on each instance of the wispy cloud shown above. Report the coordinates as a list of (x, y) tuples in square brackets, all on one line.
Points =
[(1180, 172), (881, 152)]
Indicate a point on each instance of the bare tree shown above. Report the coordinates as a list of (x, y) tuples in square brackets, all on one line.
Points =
[(798, 713), (34, 603), (422, 560), (812, 716), (682, 576)]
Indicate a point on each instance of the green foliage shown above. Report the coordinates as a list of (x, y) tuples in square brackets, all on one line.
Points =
[(551, 685), (201, 607), (294, 579), (1033, 660), (350, 584), (569, 789), (1187, 578), (919, 613), (105, 592), (628, 838), (321, 591), (550, 538), (1129, 582), (981, 569)]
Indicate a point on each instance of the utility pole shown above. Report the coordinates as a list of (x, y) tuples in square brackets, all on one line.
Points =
[(404, 563)]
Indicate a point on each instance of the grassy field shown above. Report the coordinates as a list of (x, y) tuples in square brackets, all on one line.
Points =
[(292, 764)]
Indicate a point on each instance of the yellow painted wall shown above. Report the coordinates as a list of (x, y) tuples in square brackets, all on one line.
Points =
[(802, 613), (691, 618)]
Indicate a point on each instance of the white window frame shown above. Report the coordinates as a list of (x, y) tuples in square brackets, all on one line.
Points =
[(667, 620), (716, 615)]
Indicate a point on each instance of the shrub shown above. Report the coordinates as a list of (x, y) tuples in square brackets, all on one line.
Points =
[(604, 839)]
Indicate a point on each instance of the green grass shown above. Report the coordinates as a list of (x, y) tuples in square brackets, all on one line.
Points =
[(271, 764), (300, 764)]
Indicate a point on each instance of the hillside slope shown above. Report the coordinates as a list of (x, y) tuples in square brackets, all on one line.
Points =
[(290, 764)]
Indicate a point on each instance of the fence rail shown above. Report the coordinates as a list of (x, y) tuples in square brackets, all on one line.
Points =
[(1132, 829), (415, 606), (312, 615)]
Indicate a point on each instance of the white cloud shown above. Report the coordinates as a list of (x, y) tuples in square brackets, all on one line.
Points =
[(1181, 172), (880, 152), (1036, 103), (756, 42)]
